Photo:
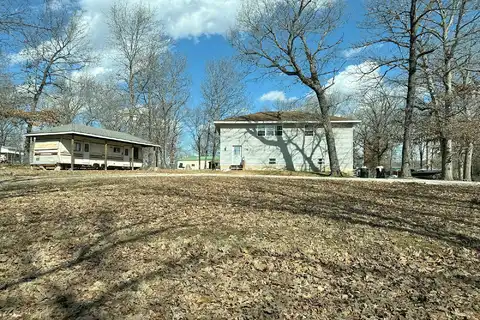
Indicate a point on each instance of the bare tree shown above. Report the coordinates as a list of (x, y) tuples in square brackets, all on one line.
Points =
[(12, 16), (138, 40), (400, 25), (165, 90), (223, 95), (52, 51), (453, 28), (8, 107), (283, 105), (197, 123), (380, 129), (70, 98), (105, 105), (295, 38), (466, 122)]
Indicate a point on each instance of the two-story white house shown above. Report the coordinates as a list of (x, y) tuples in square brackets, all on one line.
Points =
[(288, 140)]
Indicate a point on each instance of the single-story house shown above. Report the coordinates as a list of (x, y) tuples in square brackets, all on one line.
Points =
[(79, 146), (191, 163), (290, 140)]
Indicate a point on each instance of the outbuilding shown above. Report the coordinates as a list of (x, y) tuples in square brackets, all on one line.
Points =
[(76, 146)]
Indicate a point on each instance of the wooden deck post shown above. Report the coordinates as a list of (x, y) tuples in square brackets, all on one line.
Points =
[(72, 153), (106, 156), (132, 158), (31, 151)]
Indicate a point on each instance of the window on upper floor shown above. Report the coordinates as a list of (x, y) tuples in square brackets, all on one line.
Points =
[(272, 161), (269, 131), (261, 130), (309, 130), (279, 131)]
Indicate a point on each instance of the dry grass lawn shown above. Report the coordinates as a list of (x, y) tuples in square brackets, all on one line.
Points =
[(230, 247)]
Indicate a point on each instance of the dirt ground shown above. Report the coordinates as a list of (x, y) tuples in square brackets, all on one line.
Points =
[(209, 247)]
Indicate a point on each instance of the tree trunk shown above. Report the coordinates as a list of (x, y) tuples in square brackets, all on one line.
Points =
[(427, 156), (467, 167), (446, 151), (391, 160), (411, 91), (150, 115), (199, 155), (206, 147), (131, 93), (420, 151), (460, 163), (329, 135), (214, 150)]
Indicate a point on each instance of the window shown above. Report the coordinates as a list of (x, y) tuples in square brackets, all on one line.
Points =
[(279, 131), (272, 161), (78, 146), (237, 150), (126, 152), (269, 131), (308, 130), (261, 130), (193, 164), (87, 147), (180, 165), (116, 150)]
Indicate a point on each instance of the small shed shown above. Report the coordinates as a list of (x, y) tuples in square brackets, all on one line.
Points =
[(80, 146)]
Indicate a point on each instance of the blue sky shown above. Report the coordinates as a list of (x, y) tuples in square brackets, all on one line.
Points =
[(200, 50), (198, 28)]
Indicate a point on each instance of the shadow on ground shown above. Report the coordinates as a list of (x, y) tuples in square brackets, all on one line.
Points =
[(250, 248)]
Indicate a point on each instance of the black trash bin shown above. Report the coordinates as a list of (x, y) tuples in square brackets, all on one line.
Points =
[(364, 172), (380, 172)]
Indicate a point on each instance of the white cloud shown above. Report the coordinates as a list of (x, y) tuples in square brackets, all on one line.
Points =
[(352, 83), (276, 96), (181, 18), (349, 53), (93, 71), (354, 52), (355, 79)]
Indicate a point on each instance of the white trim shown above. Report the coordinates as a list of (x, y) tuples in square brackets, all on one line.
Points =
[(266, 122), (38, 134)]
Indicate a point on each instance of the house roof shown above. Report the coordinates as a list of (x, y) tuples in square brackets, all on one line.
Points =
[(87, 131), (195, 158), (282, 116)]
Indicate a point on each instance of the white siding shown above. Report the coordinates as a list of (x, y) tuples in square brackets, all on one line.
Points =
[(293, 150), (53, 150)]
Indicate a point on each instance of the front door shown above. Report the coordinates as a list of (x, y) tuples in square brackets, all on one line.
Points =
[(237, 155), (86, 153), (126, 157)]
